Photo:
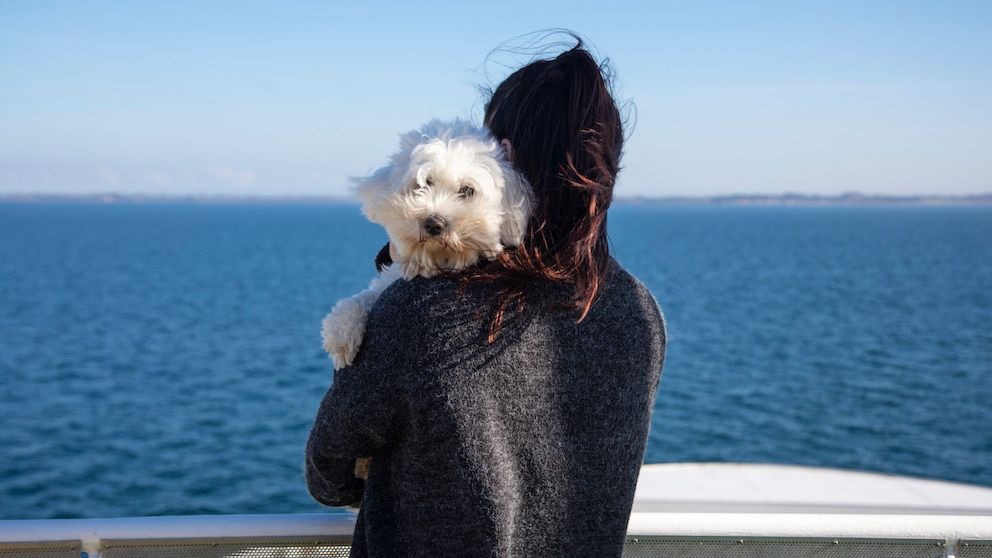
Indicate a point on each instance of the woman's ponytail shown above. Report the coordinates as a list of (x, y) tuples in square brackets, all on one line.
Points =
[(567, 136)]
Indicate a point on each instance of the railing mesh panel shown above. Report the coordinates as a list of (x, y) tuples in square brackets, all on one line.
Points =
[(975, 549), (42, 550), (219, 548), (635, 547), (707, 547)]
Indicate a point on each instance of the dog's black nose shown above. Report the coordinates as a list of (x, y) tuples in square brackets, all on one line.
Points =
[(434, 225)]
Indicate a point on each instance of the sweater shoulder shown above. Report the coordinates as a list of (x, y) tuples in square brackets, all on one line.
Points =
[(624, 286), (420, 306), (418, 298)]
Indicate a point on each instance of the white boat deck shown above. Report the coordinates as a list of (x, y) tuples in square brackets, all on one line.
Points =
[(760, 488)]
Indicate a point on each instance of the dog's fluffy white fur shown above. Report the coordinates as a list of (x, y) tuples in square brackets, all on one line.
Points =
[(449, 198)]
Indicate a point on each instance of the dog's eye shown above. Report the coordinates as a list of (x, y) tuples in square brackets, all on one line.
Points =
[(466, 191)]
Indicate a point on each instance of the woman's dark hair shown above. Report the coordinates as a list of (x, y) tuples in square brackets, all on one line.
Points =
[(567, 137)]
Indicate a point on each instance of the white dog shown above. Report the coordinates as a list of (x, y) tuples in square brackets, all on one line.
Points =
[(448, 199)]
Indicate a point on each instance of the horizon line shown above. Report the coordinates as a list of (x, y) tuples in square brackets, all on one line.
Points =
[(787, 198)]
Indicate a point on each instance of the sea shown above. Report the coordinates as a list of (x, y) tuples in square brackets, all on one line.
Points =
[(165, 358)]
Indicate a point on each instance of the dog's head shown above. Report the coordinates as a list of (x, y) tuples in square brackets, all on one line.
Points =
[(447, 199)]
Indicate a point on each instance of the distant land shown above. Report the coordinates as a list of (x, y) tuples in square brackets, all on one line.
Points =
[(845, 199)]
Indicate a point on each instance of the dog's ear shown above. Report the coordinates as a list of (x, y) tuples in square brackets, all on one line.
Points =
[(518, 203), (372, 190), (375, 188)]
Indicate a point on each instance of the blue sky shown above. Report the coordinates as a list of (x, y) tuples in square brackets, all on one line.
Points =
[(292, 98)]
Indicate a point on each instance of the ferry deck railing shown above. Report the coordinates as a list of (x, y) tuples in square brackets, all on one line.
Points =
[(690, 535)]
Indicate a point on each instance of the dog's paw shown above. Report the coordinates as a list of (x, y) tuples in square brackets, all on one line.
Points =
[(362, 465), (342, 331), (344, 328)]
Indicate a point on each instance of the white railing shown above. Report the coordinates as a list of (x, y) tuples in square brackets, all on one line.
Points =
[(649, 535)]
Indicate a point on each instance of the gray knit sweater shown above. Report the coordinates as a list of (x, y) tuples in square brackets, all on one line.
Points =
[(529, 446)]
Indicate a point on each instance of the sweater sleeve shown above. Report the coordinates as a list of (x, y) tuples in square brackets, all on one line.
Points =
[(363, 410)]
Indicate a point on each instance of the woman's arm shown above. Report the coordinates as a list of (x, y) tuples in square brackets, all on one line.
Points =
[(362, 411), (331, 481)]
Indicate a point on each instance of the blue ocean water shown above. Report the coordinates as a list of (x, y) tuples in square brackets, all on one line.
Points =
[(165, 358)]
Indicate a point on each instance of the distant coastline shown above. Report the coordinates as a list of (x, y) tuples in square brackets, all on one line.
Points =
[(789, 199), (846, 199)]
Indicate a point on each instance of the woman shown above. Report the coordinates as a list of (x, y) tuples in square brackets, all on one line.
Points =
[(506, 409)]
